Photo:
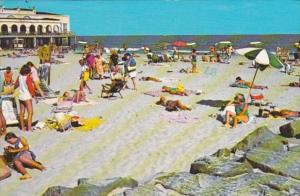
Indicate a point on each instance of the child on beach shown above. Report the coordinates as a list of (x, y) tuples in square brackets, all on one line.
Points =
[(27, 92), (22, 156), (172, 105), (239, 113), (85, 74), (239, 80), (8, 76)]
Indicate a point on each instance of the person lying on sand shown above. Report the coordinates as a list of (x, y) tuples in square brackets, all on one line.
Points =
[(172, 105), (79, 96), (239, 113), (174, 91), (239, 80), (22, 156), (283, 113), (148, 78)]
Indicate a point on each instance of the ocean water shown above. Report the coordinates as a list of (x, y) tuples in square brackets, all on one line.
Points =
[(173, 17)]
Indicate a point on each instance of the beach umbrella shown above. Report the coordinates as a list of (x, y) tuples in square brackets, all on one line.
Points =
[(179, 44), (262, 58), (256, 44), (223, 44)]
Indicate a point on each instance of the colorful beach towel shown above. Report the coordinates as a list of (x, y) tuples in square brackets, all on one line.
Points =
[(89, 124), (52, 101)]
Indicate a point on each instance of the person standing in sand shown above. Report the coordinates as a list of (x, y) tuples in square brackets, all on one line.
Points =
[(27, 92), (99, 65), (35, 78), (193, 58), (22, 156)]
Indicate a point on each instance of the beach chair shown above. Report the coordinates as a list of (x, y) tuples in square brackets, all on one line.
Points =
[(115, 87), (63, 107), (258, 99), (9, 110), (49, 93)]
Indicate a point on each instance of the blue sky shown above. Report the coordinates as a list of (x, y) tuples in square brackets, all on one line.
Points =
[(174, 17)]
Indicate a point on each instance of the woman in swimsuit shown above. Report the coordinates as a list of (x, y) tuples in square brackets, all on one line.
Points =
[(22, 155)]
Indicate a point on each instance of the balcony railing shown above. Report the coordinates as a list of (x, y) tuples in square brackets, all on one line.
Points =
[(36, 33)]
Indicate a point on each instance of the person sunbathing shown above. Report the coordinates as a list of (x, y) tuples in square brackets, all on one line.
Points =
[(294, 84), (22, 156), (239, 80), (283, 113), (174, 91), (148, 78), (240, 113), (172, 105), (79, 96)]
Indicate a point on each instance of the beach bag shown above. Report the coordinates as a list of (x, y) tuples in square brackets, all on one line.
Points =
[(131, 65), (86, 75)]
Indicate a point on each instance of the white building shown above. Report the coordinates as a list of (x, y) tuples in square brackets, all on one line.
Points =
[(33, 28)]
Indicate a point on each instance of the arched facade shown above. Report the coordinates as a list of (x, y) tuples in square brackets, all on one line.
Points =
[(4, 28), (14, 28), (23, 29), (48, 29), (56, 29), (32, 29), (40, 29)]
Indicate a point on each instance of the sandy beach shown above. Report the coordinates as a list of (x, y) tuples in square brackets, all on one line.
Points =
[(138, 139)]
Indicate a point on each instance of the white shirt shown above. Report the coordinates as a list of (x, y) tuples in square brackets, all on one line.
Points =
[(24, 92)]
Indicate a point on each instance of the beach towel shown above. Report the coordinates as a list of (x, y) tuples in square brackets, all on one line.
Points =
[(179, 117), (89, 124)]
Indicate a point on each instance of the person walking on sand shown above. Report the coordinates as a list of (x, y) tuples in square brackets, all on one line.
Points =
[(27, 92), (130, 68), (193, 58), (22, 156), (85, 74)]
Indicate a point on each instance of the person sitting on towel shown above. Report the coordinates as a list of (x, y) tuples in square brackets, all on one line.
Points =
[(148, 78), (240, 113), (239, 80), (172, 105), (8, 76)]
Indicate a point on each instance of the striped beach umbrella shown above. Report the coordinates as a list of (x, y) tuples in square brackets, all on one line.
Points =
[(261, 56)]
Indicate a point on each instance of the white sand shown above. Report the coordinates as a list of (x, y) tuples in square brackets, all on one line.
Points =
[(135, 140)]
